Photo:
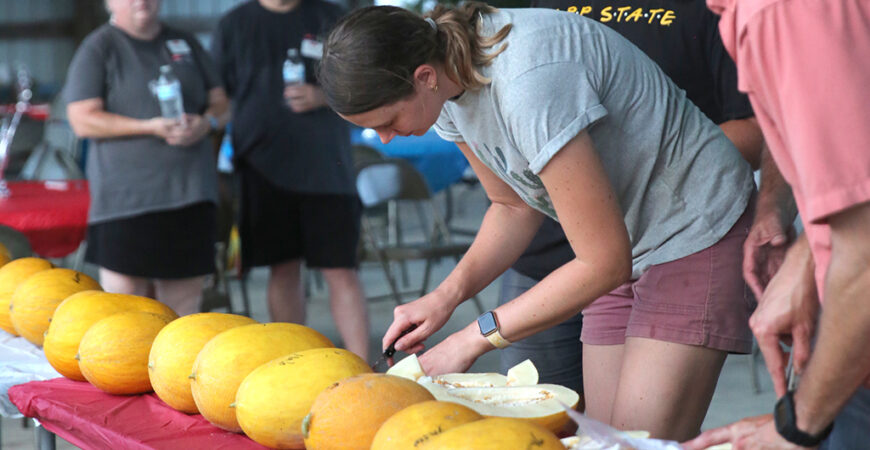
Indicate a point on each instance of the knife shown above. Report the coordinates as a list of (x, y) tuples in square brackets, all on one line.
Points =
[(391, 350)]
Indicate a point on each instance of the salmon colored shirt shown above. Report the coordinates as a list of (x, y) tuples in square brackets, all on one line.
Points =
[(806, 67)]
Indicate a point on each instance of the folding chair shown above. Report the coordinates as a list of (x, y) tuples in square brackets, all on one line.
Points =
[(397, 181), (363, 155)]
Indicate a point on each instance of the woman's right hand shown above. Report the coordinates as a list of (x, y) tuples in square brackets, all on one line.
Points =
[(162, 127), (429, 313)]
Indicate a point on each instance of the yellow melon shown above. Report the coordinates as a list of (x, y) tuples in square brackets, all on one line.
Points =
[(417, 424), (174, 351), (230, 356), (272, 401), (347, 415), (35, 300), (113, 353), (11, 275), (496, 432), (77, 313)]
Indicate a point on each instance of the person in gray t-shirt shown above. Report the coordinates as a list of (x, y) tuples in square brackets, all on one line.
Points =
[(560, 116), (153, 180)]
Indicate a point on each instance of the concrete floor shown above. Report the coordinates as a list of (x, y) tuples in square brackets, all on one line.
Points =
[(734, 398)]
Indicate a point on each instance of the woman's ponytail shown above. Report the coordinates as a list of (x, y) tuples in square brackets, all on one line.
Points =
[(370, 57)]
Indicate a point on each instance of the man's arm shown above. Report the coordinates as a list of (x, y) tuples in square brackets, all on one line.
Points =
[(771, 232), (840, 360), (789, 309), (746, 135)]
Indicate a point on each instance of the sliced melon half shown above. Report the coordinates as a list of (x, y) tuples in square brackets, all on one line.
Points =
[(409, 367), (523, 374), (468, 380), (539, 404)]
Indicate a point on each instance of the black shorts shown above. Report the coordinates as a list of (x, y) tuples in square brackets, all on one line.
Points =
[(178, 243), (277, 226)]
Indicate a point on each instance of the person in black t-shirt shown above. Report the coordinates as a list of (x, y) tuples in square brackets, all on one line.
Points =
[(298, 199), (682, 37)]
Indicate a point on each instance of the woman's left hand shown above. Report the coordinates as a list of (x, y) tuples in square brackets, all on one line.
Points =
[(456, 353), (192, 129)]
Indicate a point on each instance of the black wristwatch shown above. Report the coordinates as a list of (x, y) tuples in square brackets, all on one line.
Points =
[(786, 424)]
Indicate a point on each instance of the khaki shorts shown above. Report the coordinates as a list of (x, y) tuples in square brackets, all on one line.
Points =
[(700, 299)]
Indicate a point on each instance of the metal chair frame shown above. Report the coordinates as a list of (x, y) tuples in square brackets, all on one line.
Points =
[(395, 181)]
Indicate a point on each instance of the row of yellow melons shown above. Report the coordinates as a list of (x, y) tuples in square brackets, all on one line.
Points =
[(284, 385), (30, 291)]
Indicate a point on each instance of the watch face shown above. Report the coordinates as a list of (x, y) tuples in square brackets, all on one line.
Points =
[(486, 322)]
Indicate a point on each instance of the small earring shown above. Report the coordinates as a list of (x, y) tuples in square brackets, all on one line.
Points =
[(434, 88)]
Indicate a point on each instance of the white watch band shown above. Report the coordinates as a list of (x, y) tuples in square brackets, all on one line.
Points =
[(496, 339)]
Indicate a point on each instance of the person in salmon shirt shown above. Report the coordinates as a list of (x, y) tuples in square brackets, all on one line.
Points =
[(804, 65)]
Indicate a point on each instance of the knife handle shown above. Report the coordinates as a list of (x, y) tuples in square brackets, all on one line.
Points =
[(391, 350)]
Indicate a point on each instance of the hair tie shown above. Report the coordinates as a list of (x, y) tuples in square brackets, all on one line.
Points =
[(431, 23)]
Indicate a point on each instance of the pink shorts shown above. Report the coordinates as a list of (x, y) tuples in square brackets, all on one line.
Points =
[(700, 299)]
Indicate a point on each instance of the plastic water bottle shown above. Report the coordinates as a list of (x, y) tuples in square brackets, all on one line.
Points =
[(294, 68), (168, 91)]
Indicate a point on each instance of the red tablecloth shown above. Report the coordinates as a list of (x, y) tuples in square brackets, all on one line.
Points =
[(52, 214), (92, 419)]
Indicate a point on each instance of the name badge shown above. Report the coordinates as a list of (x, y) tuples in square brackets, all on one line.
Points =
[(178, 48), (311, 48)]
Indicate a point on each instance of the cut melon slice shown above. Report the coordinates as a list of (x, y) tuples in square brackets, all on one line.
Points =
[(409, 368), (637, 434), (523, 374), (468, 380), (539, 404)]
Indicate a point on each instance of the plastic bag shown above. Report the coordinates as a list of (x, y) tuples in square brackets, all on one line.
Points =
[(594, 435)]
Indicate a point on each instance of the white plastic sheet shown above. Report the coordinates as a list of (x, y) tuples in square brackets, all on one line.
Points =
[(598, 436), (20, 362)]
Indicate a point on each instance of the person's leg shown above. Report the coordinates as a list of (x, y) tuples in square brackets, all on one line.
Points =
[(348, 305), (119, 283), (665, 388), (601, 367), (603, 336), (687, 316), (269, 228), (331, 228), (182, 295), (285, 297), (556, 352)]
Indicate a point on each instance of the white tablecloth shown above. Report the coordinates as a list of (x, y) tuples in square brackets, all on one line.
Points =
[(20, 362)]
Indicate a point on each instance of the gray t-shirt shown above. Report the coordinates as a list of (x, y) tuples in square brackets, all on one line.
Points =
[(139, 174), (680, 182)]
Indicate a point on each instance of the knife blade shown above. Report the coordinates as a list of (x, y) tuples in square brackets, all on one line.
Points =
[(391, 350)]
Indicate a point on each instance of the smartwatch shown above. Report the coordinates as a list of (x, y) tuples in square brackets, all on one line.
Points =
[(786, 424), (489, 328)]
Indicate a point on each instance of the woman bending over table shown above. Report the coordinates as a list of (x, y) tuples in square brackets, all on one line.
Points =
[(560, 116)]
